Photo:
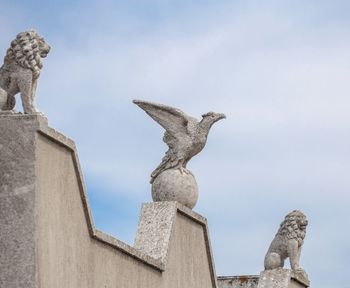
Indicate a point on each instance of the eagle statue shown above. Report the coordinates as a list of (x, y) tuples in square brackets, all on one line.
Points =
[(184, 135)]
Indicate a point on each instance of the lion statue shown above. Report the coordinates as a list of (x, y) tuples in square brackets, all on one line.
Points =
[(287, 242), (21, 70)]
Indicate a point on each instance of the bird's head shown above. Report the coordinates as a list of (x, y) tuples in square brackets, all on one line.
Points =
[(211, 117)]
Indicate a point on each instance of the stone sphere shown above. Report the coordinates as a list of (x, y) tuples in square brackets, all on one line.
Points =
[(174, 185)]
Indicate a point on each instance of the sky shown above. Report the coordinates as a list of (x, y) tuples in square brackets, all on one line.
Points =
[(280, 72)]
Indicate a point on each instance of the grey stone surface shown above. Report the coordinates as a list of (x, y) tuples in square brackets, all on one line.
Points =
[(173, 185), (288, 243), (185, 137), (277, 278), (154, 229), (244, 281), (21, 70), (17, 200), (55, 243), (281, 278)]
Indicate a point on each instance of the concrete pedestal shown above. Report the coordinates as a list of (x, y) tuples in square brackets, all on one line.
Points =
[(282, 278), (17, 200)]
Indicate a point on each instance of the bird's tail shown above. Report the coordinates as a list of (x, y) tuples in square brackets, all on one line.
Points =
[(168, 162), (161, 167)]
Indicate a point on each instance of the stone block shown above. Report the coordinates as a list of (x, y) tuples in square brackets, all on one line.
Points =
[(282, 278), (17, 200)]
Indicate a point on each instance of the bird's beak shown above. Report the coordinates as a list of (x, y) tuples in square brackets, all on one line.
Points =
[(221, 116)]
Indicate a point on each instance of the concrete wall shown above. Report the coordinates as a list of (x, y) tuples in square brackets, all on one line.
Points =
[(64, 248), (48, 238)]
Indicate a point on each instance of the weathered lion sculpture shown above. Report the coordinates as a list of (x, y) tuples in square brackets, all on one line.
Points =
[(21, 70), (287, 242)]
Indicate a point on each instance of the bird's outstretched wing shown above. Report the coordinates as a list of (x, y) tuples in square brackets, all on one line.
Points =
[(173, 120)]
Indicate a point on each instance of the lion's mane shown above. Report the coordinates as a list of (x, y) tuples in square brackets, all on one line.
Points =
[(25, 51), (290, 227)]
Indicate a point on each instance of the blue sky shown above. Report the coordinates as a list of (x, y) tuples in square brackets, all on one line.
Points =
[(279, 70)]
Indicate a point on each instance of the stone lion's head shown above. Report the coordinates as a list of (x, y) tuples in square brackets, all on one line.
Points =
[(27, 50), (294, 226)]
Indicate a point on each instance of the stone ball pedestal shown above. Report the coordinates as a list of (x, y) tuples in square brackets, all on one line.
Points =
[(174, 185)]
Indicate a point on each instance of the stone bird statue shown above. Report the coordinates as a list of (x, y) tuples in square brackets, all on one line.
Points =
[(185, 135)]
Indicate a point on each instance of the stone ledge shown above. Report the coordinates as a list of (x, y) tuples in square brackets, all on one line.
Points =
[(241, 281), (131, 251), (301, 277)]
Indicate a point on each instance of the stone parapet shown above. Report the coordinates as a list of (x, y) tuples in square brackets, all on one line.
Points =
[(243, 281), (47, 235)]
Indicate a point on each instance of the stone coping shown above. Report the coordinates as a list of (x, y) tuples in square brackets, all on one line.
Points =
[(238, 281), (301, 277), (127, 249), (238, 277)]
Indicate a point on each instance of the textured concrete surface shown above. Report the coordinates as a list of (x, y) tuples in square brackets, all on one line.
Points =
[(281, 278), (55, 244), (17, 200), (155, 228), (245, 281)]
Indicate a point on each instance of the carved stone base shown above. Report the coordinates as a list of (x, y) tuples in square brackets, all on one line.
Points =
[(283, 278), (174, 185)]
